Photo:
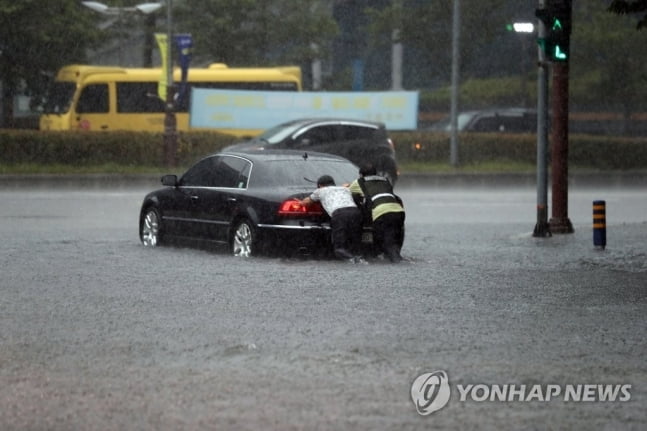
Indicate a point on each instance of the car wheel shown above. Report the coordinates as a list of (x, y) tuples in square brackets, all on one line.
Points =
[(243, 241), (150, 230)]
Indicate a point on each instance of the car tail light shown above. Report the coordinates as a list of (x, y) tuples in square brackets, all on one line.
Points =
[(294, 207)]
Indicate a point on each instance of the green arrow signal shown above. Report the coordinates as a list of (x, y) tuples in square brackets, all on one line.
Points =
[(559, 54), (557, 25)]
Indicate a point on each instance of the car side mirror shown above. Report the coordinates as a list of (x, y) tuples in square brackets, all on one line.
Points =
[(169, 180)]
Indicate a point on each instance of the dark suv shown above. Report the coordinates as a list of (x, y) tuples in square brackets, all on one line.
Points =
[(356, 140), (504, 120)]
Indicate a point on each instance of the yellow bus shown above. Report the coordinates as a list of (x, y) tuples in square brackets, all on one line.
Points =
[(104, 98)]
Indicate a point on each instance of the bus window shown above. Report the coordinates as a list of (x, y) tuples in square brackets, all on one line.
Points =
[(93, 98), (59, 98), (138, 97)]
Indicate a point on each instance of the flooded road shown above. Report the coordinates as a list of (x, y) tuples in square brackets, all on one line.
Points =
[(99, 332)]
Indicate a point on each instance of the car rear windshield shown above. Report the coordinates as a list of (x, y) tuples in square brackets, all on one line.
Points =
[(301, 174), (278, 133)]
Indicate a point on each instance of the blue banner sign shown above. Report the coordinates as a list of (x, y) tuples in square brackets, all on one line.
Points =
[(238, 109)]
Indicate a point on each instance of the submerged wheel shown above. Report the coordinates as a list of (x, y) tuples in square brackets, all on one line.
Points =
[(243, 241), (150, 230)]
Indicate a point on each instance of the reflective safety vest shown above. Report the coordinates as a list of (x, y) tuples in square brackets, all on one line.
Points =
[(377, 189)]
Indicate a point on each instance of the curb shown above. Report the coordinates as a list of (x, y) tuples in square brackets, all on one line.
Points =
[(583, 179), (579, 179), (79, 180)]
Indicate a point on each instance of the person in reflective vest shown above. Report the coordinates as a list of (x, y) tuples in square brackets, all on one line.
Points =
[(386, 211)]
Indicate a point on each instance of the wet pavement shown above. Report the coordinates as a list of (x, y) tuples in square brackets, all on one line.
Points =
[(101, 333)]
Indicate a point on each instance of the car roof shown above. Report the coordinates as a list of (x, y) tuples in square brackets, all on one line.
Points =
[(333, 120), (264, 155), (501, 111), (473, 114)]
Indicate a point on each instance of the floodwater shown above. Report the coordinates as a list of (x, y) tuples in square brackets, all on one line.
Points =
[(99, 332)]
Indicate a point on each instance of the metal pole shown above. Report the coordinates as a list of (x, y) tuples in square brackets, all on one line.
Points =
[(149, 38), (316, 67), (523, 72), (169, 45), (453, 156), (396, 49), (120, 38), (559, 222), (396, 61), (170, 122), (542, 228)]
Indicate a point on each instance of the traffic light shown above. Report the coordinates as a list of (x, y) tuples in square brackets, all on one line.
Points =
[(556, 16)]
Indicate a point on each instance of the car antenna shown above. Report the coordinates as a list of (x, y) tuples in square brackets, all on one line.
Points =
[(305, 156), (309, 180)]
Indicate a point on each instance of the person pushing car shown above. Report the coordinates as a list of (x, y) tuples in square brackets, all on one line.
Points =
[(386, 210), (345, 217)]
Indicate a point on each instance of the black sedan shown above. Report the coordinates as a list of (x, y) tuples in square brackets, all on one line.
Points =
[(247, 201)]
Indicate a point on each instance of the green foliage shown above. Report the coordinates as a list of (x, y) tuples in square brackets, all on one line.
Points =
[(257, 32), (506, 91), (474, 147), (91, 149), (435, 100), (490, 166), (481, 148), (622, 7), (482, 93), (607, 67), (37, 38), (33, 151), (608, 152), (426, 27)]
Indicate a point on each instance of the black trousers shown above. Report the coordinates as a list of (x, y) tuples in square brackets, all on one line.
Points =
[(346, 225), (388, 234)]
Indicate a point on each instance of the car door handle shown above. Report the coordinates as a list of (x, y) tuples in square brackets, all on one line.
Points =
[(195, 197), (232, 200)]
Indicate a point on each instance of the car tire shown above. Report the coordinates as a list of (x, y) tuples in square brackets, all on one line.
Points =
[(244, 240), (150, 228)]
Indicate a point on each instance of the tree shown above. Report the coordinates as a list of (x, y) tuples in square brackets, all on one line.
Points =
[(257, 32), (425, 27), (607, 60), (36, 39), (623, 7)]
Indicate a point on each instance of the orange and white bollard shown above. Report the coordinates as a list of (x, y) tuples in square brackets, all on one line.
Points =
[(599, 224)]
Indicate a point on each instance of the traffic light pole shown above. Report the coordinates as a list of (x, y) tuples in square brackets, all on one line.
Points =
[(453, 143), (554, 41), (170, 121), (559, 222), (542, 228)]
